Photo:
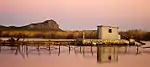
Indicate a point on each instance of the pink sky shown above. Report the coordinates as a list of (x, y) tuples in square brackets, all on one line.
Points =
[(77, 14)]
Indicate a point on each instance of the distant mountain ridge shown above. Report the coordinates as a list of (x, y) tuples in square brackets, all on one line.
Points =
[(46, 25)]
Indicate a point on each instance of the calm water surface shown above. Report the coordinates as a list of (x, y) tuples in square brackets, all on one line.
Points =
[(77, 57)]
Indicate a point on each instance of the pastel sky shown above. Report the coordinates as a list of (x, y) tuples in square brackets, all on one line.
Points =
[(77, 14)]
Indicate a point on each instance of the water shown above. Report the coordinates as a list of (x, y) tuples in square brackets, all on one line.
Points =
[(77, 57)]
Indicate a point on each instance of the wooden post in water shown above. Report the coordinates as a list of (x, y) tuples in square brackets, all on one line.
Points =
[(26, 47), (49, 47), (27, 50), (59, 47), (17, 50), (38, 49), (83, 50), (98, 52), (74, 50), (91, 50), (125, 49), (80, 49), (22, 46), (38, 46), (59, 50), (69, 48), (137, 49)]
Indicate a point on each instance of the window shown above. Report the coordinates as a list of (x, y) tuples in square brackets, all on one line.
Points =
[(110, 30)]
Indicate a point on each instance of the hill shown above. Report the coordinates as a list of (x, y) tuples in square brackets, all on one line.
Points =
[(48, 25)]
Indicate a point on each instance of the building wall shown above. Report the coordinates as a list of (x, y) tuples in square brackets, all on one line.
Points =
[(98, 32), (105, 33)]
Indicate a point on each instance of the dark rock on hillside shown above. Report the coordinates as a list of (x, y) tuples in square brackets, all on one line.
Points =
[(46, 25)]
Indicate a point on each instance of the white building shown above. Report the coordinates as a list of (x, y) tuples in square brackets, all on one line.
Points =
[(108, 32)]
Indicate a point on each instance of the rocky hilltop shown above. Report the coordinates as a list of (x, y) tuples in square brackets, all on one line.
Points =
[(45, 25)]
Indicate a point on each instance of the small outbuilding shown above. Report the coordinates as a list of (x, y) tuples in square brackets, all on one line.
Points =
[(107, 32)]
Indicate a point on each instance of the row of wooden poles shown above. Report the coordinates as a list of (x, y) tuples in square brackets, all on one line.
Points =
[(48, 46)]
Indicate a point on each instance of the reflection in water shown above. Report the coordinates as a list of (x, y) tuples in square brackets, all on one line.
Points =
[(103, 54), (107, 54)]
